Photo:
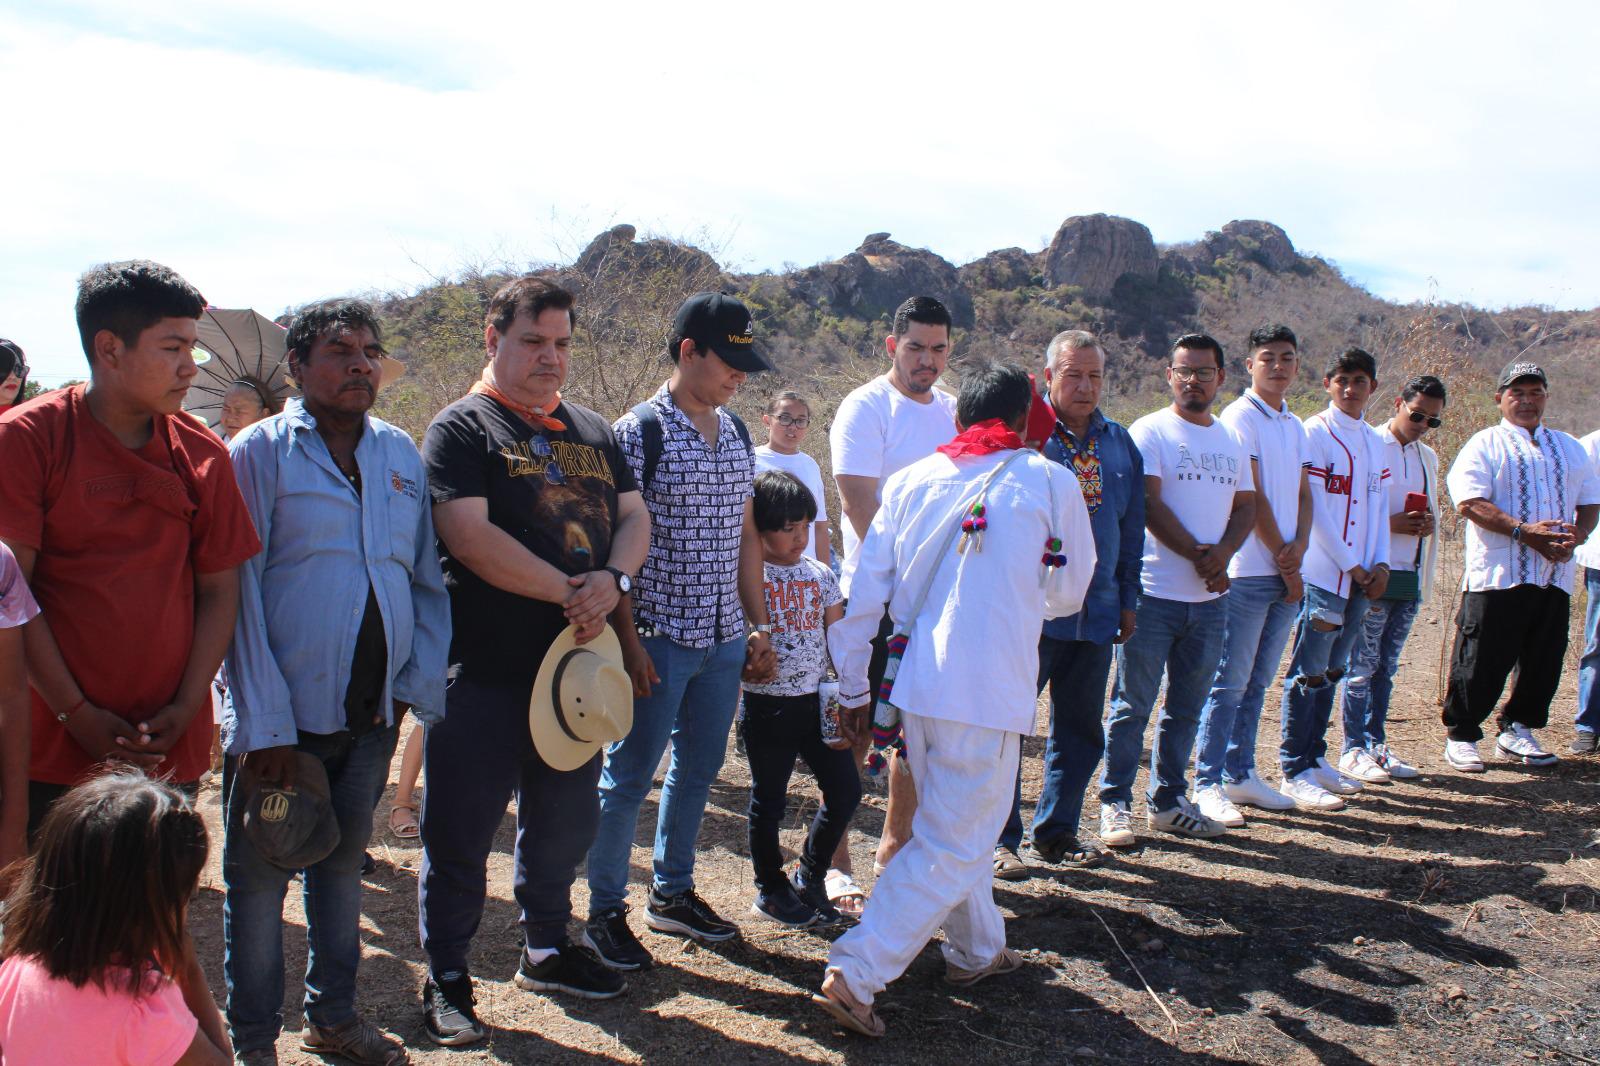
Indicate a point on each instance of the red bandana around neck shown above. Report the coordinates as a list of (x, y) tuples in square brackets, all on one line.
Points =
[(534, 415), (990, 435)]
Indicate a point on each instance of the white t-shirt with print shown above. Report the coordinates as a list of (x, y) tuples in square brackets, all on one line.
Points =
[(1201, 468), (806, 469), (877, 431), (797, 596)]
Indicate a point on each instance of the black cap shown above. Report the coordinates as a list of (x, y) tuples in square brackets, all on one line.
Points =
[(721, 323), (1521, 368), (292, 828)]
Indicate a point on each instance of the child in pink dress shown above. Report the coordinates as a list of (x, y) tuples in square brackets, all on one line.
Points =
[(98, 964)]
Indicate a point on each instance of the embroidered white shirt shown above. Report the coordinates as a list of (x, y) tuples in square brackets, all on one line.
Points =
[(974, 650), (1531, 484)]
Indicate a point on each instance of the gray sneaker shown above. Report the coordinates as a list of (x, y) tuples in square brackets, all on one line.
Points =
[(357, 1040), (261, 1056)]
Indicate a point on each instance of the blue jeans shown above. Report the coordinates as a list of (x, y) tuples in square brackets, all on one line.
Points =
[(693, 706), (1076, 671), (475, 761), (252, 913), (1185, 640), (1318, 663), (1373, 661), (1258, 626), (1589, 666)]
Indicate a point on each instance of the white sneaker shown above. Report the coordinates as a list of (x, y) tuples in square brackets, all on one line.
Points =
[(1397, 767), (1185, 820), (1215, 804), (1308, 795), (1519, 745), (1257, 793), (1357, 763), (1328, 776), (1116, 825), (1463, 755)]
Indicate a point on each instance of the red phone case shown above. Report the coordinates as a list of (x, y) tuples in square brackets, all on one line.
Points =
[(1416, 501)]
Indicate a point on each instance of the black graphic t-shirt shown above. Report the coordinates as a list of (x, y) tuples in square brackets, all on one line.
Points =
[(555, 493)]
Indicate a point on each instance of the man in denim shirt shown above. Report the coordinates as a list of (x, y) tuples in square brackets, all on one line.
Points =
[(1075, 652), (350, 629)]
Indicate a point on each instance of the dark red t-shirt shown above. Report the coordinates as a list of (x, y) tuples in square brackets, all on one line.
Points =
[(120, 534)]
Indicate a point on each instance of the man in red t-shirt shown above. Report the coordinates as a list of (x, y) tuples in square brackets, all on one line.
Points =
[(128, 524)]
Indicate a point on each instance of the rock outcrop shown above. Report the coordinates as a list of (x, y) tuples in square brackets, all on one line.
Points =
[(877, 277), (1093, 252), (1259, 242), (1007, 269)]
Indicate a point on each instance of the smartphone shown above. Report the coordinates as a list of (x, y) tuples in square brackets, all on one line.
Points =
[(1416, 502)]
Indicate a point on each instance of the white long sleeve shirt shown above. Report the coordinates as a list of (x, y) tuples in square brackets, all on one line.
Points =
[(1531, 484), (973, 656), (1350, 513)]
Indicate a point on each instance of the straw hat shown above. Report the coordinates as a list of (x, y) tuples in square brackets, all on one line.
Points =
[(582, 699)]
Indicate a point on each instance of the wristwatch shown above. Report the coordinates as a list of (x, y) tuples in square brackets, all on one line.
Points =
[(624, 582), (1516, 533), (764, 628)]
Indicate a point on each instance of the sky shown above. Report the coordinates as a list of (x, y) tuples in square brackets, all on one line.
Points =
[(280, 153)]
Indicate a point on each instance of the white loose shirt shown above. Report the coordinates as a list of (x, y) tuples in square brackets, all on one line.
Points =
[(974, 650), (877, 431), (1276, 440), (1201, 469), (1412, 468), (1588, 553), (1531, 484), (806, 469), (1350, 503)]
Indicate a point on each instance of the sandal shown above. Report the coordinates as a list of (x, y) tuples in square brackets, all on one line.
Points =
[(406, 827), (835, 998), (1007, 867), (845, 895)]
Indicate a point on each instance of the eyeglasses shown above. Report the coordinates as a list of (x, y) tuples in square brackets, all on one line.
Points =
[(553, 474), (797, 421), (1194, 373), (1418, 416)]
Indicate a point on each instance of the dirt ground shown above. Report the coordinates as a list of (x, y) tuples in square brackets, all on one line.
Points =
[(1449, 919)]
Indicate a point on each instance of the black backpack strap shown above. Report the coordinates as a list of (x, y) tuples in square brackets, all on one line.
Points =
[(743, 431), (653, 439)]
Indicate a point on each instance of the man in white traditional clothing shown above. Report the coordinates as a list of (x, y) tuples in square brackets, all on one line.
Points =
[(1530, 495), (971, 549)]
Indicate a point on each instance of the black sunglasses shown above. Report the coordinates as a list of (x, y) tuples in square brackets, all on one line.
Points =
[(1418, 416)]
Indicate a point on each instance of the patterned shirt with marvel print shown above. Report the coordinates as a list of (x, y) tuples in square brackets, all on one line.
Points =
[(554, 492), (689, 587), (797, 596)]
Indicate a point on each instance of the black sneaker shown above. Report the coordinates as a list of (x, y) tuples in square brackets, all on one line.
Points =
[(687, 915), (572, 971), (814, 894), (447, 1011), (785, 908), (608, 936)]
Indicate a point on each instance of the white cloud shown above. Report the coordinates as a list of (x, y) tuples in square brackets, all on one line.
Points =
[(276, 154)]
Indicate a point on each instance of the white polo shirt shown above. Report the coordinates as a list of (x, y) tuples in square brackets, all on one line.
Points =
[(1276, 440), (1531, 484)]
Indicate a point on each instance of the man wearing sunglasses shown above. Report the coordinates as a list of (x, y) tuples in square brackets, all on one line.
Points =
[(1413, 551), (1531, 497)]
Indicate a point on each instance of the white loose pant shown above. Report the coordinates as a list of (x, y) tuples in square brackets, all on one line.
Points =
[(944, 877)]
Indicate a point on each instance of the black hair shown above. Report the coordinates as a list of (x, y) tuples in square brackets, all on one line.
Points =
[(330, 316), (1426, 385), (1273, 333), (994, 390), (1350, 361), (12, 361), (922, 309), (129, 297), (531, 295), (787, 395), (1199, 342), (781, 498), (109, 883)]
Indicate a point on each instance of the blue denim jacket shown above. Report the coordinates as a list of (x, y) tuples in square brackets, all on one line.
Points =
[(1118, 527), (301, 598)]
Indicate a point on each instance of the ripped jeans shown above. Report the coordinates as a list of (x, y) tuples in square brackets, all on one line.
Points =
[(1319, 662)]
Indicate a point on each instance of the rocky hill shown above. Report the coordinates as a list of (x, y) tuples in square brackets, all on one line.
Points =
[(825, 322)]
